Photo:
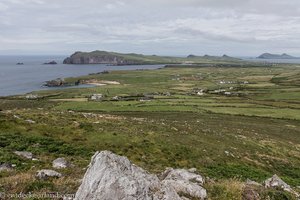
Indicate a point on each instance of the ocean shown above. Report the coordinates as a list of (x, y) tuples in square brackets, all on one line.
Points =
[(20, 79)]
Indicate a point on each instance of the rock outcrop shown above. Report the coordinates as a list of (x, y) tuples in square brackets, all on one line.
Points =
[(276, 182), (113, 177), (55, 83)]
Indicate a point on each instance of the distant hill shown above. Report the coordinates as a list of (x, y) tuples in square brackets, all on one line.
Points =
[(113, 58), (224, 57), (276, 56)]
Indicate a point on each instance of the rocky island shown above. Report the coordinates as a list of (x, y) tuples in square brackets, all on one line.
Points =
[(209, 57), (275, 56), (51, 63)]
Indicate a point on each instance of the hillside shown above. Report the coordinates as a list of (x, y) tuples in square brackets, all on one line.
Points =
[(113, 58), (230, 123)]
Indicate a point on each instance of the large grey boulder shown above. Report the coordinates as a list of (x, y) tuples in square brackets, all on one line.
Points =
[(47, 173), (113, 177)]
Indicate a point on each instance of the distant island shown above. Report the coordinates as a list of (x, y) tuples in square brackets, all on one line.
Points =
[(51, 63), (276, 56), (209, 57), (113, 58)]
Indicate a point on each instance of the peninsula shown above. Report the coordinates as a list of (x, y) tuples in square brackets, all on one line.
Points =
[(113, 58)]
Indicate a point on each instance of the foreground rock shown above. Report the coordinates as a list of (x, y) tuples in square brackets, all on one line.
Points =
[(47, 173), (24, 154), (185, 182), (110, 176), (60, 163)]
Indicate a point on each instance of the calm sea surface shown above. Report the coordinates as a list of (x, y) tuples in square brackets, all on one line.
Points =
[(20, 79)]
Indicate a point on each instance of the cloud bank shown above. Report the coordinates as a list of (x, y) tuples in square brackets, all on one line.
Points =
[(166, 27)]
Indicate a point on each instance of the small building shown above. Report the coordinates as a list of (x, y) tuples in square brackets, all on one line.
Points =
[(96, 97), (31, 96)]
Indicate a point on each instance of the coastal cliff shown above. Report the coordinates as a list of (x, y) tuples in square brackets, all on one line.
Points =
[(103, 57)]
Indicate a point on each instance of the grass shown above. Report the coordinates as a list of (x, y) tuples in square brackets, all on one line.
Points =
[(252, 133)]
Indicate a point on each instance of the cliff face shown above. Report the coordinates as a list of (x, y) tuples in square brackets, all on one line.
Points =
[(99, 58)]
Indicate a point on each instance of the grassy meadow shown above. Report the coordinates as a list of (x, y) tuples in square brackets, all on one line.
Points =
[(231, 123)]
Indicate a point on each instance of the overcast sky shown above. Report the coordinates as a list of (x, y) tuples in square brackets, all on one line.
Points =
[(163, 27)]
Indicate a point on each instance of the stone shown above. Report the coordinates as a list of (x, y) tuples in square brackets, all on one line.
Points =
[(60, 163), (24, 154), (6, 167), (113, 177), (249, 193), (46, 173), (185, 182), (275, 181)]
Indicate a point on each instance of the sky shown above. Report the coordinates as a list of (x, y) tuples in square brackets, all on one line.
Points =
[(161, 27)]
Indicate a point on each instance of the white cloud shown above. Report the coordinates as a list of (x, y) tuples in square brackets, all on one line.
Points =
[(152, 26)]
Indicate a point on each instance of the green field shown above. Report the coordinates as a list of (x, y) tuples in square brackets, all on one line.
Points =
[(244, 124)]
